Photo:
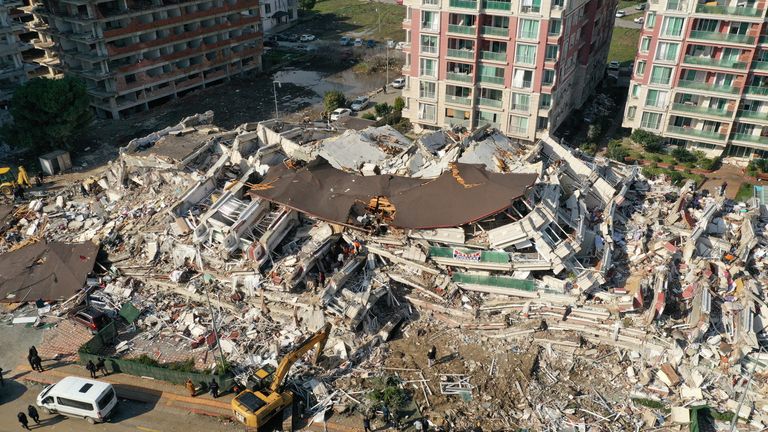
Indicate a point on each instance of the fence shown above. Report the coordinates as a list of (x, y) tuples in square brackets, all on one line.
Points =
[(106, 337)]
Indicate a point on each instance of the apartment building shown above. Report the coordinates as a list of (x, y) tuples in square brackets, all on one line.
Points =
[(519, 65), (276, 14), (700, 77), (135, 54), (17, 53)]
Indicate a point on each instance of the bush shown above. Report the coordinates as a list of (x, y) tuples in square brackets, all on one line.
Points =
[(595, 132), (648, 140), (307, 4), (656, 158), (677, 178), (757, 166), (707, 163), (382, 109), (683, 156), (399, 104), (334, 99), (589, 148), (369, 116), (648, 173), (616, 151), (387, 391)]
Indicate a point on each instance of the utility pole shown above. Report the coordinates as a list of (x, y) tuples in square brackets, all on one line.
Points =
[(274, 89), (387, 69)]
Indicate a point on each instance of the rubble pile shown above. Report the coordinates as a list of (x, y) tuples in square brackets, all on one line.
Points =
[(563, 292)]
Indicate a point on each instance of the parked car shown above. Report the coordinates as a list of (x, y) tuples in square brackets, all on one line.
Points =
[(272, 38), (358, 42), (340, 113), (620, 14), (641, 6), (360, 103), (398, 83), (390, 43), (614, 65), (400, 45), (271, 43), (371, 43), (293, 37), (344, 41), (307, 38), (92, 400), (639, 20), (90, 317)]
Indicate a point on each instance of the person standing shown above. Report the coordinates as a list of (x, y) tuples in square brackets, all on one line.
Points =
[(431, 355), (23, 420), (214, 387), (366, 424), (101, 366), (32, 412), (32, 351), (38, 363), (31, 360), (2, 381), (190, 387), (91, 368)]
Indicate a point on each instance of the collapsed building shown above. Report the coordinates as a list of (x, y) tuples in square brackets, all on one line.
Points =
[(285, 227)]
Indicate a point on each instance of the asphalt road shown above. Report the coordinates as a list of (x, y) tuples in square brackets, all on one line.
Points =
[(130, 416), (627, 22)]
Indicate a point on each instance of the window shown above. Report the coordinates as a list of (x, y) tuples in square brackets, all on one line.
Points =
[(529, 29), (518, 125), (267, 8), (522, 78), (640, 69), (706, 25), (429, 44), (645, 44), (667, 51), (554, 27), (521, 102), (542, 123), (661, 75), (85, 388), (531, 6), (427, 112), (548, 77), (429, 21), (427, 89), (672, 26), (551, 52), (75, 404), (650, 20), (650, 120), (545, 101), (656, 98), (631, 111), (635, 90), (428, 68), (105, 399), (675, 5), (525, 54)]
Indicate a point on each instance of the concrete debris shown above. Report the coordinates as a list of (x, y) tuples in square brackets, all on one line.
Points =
[(596, 296)]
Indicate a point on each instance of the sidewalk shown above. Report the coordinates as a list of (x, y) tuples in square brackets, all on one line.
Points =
[(136, 388)]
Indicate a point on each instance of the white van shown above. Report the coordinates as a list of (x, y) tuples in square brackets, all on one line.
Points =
[(79, 397)]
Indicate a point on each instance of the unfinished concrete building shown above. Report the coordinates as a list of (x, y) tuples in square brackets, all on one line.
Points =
[(16, 51), (133, 55)]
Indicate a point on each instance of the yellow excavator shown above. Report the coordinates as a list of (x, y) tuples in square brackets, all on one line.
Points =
[(8, 182), (256, 408)]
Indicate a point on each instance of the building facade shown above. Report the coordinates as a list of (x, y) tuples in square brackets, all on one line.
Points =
[(17, 53), (521, 65), (277, 14), (135, 54), (700, 77)]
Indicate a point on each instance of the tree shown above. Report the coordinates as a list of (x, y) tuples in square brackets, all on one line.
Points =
[(307, 4), (616, 151), (333, 99), (649, 140), (48, 114), (382, 109), (399, 104)]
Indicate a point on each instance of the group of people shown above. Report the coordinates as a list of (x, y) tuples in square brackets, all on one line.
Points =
[(99, 366), (213, 388), (418, 424), (32, 413)]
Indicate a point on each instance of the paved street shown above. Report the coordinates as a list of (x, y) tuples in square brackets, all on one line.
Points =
[(627, 22), (131, 416)]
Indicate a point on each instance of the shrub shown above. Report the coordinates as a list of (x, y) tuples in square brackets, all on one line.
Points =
[(676, 177), (616, 151), (595, 132), (399, 104), (757, 165), (648, 173), (589, 148), (382, 109), (369, 116), (387, 391), (707, 163), (683, 156), (656, 158), (648, 140)]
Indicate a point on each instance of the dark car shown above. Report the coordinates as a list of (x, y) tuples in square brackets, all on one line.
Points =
[(371, 43), (92, 318), (271, 44), (293, 37)]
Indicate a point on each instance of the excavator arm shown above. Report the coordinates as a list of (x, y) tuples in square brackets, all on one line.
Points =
[(319, 338)]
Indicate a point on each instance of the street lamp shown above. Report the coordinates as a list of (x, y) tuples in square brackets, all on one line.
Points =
[(274, 89)]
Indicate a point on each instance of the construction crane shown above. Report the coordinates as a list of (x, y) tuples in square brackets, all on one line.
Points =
[(257, 408), (8, 181)]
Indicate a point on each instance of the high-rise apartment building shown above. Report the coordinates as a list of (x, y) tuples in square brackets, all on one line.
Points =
[(134, 54), (16, 50), (700, 77), (519, 65), (276, 14)]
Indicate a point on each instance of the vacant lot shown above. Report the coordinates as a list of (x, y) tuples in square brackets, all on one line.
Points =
[(624, 45), (354, 18)]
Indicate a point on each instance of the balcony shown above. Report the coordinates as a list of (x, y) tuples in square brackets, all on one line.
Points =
[(760, 65), (428, 49), (453, 76), (757, 139), (722, 37), (726, 10), (718, 88), (461, 29), (713, 62), (494, 56), (760, 91), (464, 4), (763, 39), (698, 133), (495, 31), (497, 5), (461, 53), (493, 103), (753, 115), (492, 80), (458, 100), (526, 85), (701, 110)]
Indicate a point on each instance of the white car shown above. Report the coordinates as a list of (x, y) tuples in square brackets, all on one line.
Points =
[(307, 38), (641, 6), (400, 45), (614, 65), (390, 43), (639, 20), (344, 41), (620, 14), (360, 103), (340, 113), (398, 83), (358, 42)]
